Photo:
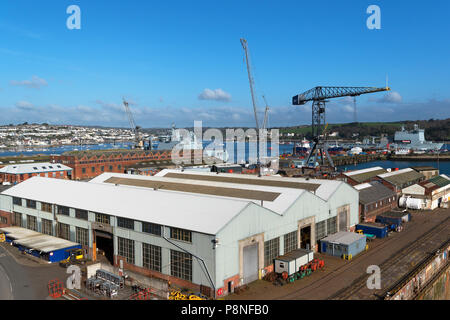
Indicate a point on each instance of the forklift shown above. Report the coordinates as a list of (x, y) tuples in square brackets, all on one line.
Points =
[(76, 256)]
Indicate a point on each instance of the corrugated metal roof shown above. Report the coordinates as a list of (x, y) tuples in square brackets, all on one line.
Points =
[(320, 187), (297, 253), (343, 237), (401, 177), (364, 174), (201, 213), (19, 233), (260, 182), (362, 186), (440, 181), (424, 168), (273, 198), (195, 188), (46, 243), (23, 168), (376, 192)]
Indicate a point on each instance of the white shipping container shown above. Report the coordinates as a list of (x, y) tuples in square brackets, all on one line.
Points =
[(292, 261)]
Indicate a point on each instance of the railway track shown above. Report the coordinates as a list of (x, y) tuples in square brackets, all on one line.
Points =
[(357, 262), (395, 258)]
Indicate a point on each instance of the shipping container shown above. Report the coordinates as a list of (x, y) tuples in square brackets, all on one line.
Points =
[(377, 229), (292, 261), (392, 222), (405, 216)]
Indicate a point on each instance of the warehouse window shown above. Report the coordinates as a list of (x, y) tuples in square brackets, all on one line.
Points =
[(81, 214), (102, 168), (151, 228), (110, 168), (93, 169), (271, 251), (102, 218), (321, 231), (82, 236), (31, 204), (125, 223), (181, 234), (47, 207), (151, 257), (17, 201), (63, 210), (17, 219), (31, 223), (63, 231), (126, 249), (181, 265), (332, 225), (3, 220), (83, 170), (46, 227), (290, 241)]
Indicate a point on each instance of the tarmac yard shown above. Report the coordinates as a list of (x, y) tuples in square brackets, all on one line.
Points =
[(23, 277), (396, 255)]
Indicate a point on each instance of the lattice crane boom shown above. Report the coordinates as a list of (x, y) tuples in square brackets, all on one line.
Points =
[(266, 114), (250, 79), (134, 128), (323, 93)]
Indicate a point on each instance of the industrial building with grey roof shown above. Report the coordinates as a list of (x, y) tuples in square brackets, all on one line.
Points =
[(204, 231)]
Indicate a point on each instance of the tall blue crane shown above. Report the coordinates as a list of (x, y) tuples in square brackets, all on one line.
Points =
[(319, 96)]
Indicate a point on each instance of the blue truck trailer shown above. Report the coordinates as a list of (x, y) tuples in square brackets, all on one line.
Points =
[(377, 229)]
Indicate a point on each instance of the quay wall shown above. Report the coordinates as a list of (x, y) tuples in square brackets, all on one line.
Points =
[(426, 279)]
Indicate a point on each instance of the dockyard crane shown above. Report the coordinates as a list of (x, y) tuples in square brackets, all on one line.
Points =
[(133, 126), (319, 96), (264, 125), (251, 82)]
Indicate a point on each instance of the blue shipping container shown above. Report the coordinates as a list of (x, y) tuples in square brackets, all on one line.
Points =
[(380, 231), (391, 221)]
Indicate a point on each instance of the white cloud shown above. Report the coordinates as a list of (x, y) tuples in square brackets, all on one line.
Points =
[(390, 97), (217, 95), (24, 105), (111, 114), (35, 83)]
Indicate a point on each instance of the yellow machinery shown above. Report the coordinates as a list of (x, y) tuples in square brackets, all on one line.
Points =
[(76, 256), (177, 295)]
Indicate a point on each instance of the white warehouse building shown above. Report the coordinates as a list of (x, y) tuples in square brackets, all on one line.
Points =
[(205, 231)]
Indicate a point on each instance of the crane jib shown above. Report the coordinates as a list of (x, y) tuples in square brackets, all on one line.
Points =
[(323, 93)]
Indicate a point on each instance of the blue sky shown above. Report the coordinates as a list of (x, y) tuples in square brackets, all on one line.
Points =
[(180, 61)]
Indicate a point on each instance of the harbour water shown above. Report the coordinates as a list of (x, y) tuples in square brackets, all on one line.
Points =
[(61, 149), (241, 154)]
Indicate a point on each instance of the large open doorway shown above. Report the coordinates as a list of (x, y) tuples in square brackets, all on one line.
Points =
[(305, 237), (105, 244)]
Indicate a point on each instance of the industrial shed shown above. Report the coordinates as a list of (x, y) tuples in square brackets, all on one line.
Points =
[(226, 229), (16, 173), (343, 243), (427, 195), (375, 198), (361, 176), (400, 179)]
